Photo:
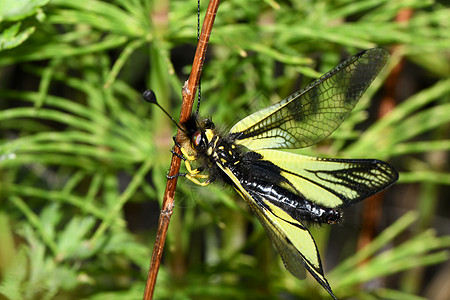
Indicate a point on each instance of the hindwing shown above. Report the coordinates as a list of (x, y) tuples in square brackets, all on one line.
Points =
[(290, 237), (312, 114), (333, 183)]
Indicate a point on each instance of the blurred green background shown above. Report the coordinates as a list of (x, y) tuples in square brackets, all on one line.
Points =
[(83, 159)]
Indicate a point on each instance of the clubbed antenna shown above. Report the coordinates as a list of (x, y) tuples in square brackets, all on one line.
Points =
[(198, 39), (150, 97)]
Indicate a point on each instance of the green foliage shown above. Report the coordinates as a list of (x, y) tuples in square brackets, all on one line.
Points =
[(83, 159)]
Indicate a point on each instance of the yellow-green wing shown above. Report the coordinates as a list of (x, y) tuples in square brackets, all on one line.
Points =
[(332, 182), (312, 114), (292, 240)]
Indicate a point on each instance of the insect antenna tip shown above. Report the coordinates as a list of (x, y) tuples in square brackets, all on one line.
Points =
[(149, 96)]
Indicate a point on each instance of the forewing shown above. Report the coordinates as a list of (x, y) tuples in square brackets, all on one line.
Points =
[(292, 240), (334, 183), (312, 114)]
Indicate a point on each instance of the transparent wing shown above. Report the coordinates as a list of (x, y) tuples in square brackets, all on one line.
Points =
[(333, 183), (292, 240), (312, 114)]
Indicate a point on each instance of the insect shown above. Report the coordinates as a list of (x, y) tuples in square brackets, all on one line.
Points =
[(286, 190)]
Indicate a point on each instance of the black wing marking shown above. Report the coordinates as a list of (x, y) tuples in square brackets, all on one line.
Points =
[(290, 237), (292, 240), (333, 183), (312, 114)]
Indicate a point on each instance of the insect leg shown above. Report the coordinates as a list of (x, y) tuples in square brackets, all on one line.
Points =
[(174, 138), (193, 174), (187, 155), (194, 171), (179, 155), (176, 175), (194, 179)]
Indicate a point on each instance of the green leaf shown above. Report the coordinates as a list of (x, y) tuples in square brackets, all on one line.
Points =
[(11, 38), (14, 10)]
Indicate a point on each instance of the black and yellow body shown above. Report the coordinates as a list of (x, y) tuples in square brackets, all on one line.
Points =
[(286, 190)]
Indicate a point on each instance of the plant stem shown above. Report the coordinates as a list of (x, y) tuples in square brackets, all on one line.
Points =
[(188, 92)]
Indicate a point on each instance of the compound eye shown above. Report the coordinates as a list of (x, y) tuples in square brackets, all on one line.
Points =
[(197, 138)]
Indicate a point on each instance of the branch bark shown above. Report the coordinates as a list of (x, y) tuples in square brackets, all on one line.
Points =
[(188, 93)]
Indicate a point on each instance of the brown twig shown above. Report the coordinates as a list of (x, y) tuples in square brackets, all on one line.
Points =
[(188, 92)]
